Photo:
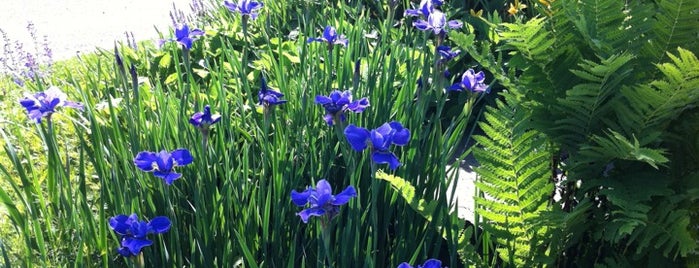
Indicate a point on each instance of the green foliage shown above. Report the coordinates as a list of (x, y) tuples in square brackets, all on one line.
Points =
[(514, 181), (603, 83)]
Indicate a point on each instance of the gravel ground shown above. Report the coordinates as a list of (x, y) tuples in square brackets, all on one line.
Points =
[(79, 26)]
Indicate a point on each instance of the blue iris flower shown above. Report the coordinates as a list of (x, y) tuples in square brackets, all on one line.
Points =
[(268, 97), (163, 163), (244, 7), (380, 140), (44, 104), (472, 81), (330, 36), (337, 103), (134, 232), (184, 36), (424, 9), (446, 53), (437, 22), (431, 263), (202, 120), (321, 199)]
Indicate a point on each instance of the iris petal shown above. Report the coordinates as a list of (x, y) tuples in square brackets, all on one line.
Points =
[(300, 199), (159, 224), (135, 245), (182, 157), (119, 224), (344, 196), (145, 160), (169, 177), (404, 265), (357, 137), (386, 158), (307, 213), (432, 263)]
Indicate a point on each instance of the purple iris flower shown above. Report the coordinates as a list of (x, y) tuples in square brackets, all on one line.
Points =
[(424, 9), (244, 7), (133, 232), (446, 54), (330, 36), (437, 22), (471, 81), (380, 139), (431, 263), (184, 36), (44, 104), (202, 120), (268, 97), (322, 201), (337, 103), (163, 164)]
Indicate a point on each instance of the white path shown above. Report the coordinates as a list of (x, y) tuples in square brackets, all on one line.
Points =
[(81, 25)]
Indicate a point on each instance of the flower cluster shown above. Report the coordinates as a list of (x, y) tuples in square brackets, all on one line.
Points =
[(337, 103), (163, 163), (431, 18), (246, 8), (446, 54), (321, 199), (330, 36), (134, 232), (268, 97), (202, 120), (431, 263), (472, 81), (184, 36), (44, 104), (380, 140)]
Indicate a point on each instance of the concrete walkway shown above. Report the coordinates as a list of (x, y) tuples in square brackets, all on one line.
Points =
[(78, 26)]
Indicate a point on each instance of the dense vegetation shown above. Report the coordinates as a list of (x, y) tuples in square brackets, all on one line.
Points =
[(584, 116)]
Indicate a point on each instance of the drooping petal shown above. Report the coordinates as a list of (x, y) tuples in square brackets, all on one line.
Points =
[(344, 196), (422, 25), (159, 224), (182, 157), (386, 158), (307, 213), (195, 33), (135, 244), (404, 265), (301, 199), (124, 251), (145, 161), (169, 177), (119, 224), (357, 137), (196, 119), (233, 7), (320, 99), (455, 24), (432, 263), (186, 42), (329, 119), (401, 136), (359, 105), (73, 104)]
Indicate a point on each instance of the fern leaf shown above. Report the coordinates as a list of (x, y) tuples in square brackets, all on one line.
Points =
[(677, 24), (513, 179), (585, 103)]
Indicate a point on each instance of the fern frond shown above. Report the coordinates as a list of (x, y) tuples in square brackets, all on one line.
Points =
[(513, 179), (610, 27), (677, 24), (650, 107), (580, 111)]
